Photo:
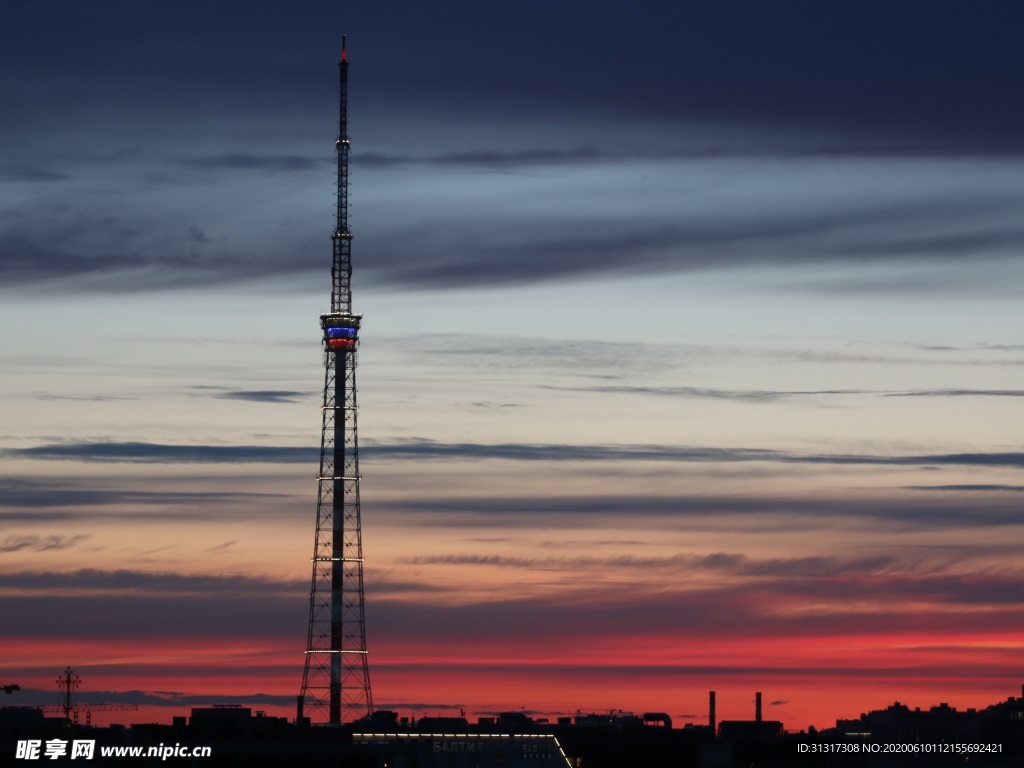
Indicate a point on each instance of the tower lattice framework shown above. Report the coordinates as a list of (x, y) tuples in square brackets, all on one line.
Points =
[(336, 678)]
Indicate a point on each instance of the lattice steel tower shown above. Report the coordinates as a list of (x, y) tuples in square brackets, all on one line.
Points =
[(336, 678)]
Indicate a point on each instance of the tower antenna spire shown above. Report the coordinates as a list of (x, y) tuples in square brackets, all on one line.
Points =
[(336, 677)]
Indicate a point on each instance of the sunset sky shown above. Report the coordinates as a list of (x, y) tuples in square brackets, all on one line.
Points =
[(691, 357)]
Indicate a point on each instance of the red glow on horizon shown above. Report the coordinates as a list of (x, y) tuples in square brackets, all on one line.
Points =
[(806, 680)]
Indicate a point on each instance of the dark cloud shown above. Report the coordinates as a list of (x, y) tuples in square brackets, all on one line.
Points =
[(522, 249), (419, 449), (29, 173), (266, 395), (151, 583), (282, 163), (540, 158), (127, 603), (772, 396), (948, 590), (427, 449), (182, 90), (921, 71), (738, 672), (161, 698), (35, 495), (731, 513), (518, 247), (206, 607), (69, 501), (496, 160), (972, 348), (138, 452), (830, 580), (997, 488), (196, 235), (79, 398), (724, 610), (24, 258), (385, 585), (934, 74), (959, 393), (116, 603), (730, 563), (120, 264), (856, 233), (432, 707), (140, 616), (740, 395)]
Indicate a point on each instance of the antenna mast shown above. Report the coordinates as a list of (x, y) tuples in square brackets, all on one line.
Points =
[(68, 683), (336, 678)]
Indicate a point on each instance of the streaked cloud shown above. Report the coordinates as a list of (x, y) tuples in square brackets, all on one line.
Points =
[(921, 228), (79, 398), (37, 543), (746, 512), (778, 597), (970, 488), (707, 393), (151, 583), (17, 492), (420, 449), (618, 360), (429, 449), (771, 396), (243, 162), (174, 699), (27, 172), (959, 393), (728, 562), (140, 452)]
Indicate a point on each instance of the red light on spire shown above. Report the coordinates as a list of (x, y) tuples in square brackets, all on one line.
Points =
[(344, 53)]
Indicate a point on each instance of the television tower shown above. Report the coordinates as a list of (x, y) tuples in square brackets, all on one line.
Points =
[(336, 678)]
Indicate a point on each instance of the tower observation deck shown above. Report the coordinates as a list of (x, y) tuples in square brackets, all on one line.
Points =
[(336, 677)]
